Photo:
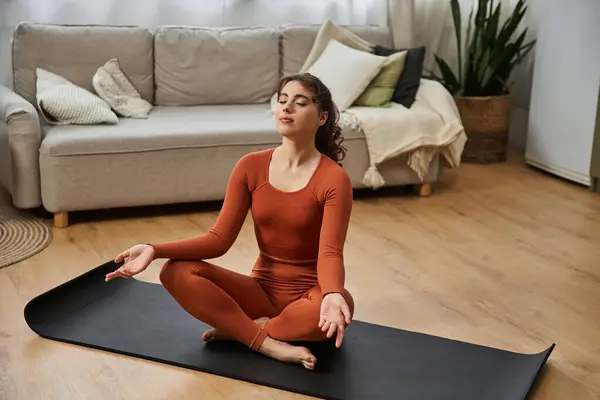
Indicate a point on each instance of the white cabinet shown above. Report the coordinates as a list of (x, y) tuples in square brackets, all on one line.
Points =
[(565, 87)]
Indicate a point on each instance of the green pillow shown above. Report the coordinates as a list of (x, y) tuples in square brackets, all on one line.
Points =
[(381, 89)]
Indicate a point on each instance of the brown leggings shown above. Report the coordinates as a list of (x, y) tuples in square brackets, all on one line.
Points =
[(230, 302)]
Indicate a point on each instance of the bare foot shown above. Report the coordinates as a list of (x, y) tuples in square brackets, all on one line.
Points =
[(286, 352), (212, 335)]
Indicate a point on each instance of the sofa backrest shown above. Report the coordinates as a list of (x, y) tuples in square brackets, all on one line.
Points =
[(172, 65), (76, 51), (215, 65)]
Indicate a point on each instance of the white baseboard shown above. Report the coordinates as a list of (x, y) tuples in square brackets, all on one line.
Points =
[(574, 176)]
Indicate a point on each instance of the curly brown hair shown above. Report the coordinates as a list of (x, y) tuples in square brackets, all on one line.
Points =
[(328, 139)]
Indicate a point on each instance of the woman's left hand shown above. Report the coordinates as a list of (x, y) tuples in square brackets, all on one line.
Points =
[(335, 316)]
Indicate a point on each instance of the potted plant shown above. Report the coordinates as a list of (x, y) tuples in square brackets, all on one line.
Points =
[(480, 86)]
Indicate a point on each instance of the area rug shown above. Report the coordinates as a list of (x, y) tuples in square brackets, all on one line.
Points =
[(22, 234)]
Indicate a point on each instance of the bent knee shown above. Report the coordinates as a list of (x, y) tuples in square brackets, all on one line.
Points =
[(172, 270), (168, 272)]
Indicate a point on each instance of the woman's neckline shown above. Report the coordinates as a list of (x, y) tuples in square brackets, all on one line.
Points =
[(303, 188)]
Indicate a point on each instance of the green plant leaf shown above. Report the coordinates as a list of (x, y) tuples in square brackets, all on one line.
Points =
[(477, 47), (522, 53), (450, 80), (456, 17), (467, 49), (492, 27), (512, 23), (483, 67), (481, 42), (489, 52), (504, 54), (480, 16), (432, 75), (500, 64), (499, 55)]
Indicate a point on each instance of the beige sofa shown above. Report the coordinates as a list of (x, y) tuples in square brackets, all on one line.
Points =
[(210, 90)]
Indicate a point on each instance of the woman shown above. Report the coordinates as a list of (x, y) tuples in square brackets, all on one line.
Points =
[(301, 200)]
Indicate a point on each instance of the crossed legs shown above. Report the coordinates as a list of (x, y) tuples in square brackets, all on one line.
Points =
[(218, 297), (237, 307), (299, 320)]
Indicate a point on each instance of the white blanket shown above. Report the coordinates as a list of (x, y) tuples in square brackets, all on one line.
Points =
[(431, 125)]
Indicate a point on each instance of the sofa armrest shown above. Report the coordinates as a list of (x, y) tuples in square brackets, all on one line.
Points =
[(20, 139)]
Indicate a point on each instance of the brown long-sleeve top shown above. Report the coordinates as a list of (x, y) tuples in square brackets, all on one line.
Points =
[(291, 227)]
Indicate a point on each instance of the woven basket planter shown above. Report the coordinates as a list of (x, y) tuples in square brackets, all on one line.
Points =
[(486, 121)]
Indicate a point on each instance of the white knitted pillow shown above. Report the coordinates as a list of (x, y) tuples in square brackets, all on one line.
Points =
[(61, 102)]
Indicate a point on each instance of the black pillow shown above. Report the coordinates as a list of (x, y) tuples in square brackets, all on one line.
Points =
[(408, 84)]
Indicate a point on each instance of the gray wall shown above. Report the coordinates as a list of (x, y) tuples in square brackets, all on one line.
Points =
[(523, 78)]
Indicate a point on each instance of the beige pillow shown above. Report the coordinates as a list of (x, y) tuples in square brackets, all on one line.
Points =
[(330, 30), (347, 83), (113, 86), (61, 102)]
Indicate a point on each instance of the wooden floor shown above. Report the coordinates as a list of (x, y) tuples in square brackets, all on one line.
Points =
[(499, 255)]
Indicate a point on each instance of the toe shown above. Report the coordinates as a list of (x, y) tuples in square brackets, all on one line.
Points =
[(308, 357), (309, 365), (208, 335)]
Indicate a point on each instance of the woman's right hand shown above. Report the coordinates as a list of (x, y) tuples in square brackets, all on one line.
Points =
[(137, 259)]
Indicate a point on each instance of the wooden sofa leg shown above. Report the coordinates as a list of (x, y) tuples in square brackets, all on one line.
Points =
[(424, 189), (61, 219)]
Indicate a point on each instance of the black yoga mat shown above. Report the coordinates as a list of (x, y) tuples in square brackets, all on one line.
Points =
[(141, 319)]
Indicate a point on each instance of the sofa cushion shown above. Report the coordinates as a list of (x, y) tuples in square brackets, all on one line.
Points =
[(345, 84), (167, 128), (331, 31), (60, 102), (77, 51), (198, 66), (297, 42), (381, 89), (407, 86)]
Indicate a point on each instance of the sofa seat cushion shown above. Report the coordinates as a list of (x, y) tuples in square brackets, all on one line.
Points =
[(167, 128)]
